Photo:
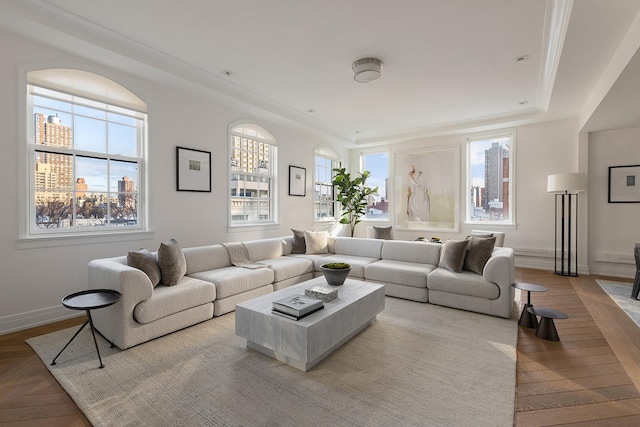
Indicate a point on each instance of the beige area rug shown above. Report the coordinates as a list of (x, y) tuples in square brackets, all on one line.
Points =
[(620, 292), (417, 365)]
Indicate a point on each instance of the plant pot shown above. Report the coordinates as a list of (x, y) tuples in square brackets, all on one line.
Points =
[(335, 276)]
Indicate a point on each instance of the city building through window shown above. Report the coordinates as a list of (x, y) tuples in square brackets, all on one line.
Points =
[(86, 155), (490, 172), (378, 164), (252, 175), (325, 160)]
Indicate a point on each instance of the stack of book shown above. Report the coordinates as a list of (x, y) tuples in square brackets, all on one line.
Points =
[(296, 307)]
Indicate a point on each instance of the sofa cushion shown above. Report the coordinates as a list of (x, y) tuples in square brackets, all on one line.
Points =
[(479, 251), (167, 300), (173, 265), (383, 233), (264, 249), (464, 283), (146, 261), (299, 245), (400, 272), (316, 242), (418, 252), (357, 246), (287, 267), (203, 258), (452, 255), (234, 280)]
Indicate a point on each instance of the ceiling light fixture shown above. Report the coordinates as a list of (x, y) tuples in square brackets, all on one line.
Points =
[(367, 70)]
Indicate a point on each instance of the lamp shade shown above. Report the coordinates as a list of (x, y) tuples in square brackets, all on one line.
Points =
[(566, 183)]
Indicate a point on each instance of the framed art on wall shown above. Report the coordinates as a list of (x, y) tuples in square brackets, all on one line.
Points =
[(624, 184), (193, 170), (427, 186), (297, 181)]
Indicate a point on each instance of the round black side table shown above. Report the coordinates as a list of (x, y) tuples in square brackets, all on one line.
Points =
[(527, 319), (547, 328), (91, 299)]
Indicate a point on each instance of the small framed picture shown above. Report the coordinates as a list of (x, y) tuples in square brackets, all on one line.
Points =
[(624, 184), (297, 181), (193, 170)]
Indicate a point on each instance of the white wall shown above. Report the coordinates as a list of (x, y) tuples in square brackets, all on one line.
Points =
[(614, 228), (34, 279)]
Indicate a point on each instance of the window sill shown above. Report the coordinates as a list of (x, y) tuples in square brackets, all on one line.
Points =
[(252, 227), (50, 241), (491, 226)]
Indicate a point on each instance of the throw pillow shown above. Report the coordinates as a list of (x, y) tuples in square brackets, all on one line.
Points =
[(173, 265), (383, 233), (452, 255), (299, 245), (316, 242), (478, 253), (481, 234), (144, 260)]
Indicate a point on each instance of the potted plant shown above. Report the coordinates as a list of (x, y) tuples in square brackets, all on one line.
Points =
[(353, 195), (336, 272)]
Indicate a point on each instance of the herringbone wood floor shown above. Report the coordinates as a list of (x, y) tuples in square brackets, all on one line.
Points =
[(590, 378)]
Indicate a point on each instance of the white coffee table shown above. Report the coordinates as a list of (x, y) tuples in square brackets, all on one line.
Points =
[(304, 343)]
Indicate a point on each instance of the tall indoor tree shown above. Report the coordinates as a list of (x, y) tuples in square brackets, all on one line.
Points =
[(353, 194)]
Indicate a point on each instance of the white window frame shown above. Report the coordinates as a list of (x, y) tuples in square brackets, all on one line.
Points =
[(78, 87), (257, 134), (511, 222), (328, 154), (379, 150)]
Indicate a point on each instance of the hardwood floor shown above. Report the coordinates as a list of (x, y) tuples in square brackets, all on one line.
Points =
[(589, 378)]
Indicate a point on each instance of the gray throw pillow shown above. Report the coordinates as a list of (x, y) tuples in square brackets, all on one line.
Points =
[(478, 253), (173, 265), (383, 233), (452, 255), (299, 245), (144, 260)]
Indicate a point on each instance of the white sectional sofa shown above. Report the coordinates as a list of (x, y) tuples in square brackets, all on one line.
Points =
[(213, 284)]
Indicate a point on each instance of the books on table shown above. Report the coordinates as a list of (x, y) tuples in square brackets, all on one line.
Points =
[(297, 306), (322, 293)]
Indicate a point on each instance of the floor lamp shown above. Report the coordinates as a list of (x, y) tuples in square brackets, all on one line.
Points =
[(566, 187)]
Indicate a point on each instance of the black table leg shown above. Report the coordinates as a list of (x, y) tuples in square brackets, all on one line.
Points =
[(72, 338), (94, 338), (547, 330), (528, 320), (636, 286)]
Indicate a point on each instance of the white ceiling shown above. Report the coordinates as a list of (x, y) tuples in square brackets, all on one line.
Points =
[(448, 65)]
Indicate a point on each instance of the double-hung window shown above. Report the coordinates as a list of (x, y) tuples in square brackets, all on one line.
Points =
[(325, 161), (490, 174), (252, 180), (86, 161)]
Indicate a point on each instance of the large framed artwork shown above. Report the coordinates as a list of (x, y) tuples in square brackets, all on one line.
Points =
[(624, 184), (297, 181), (427, 194), (193, 170)]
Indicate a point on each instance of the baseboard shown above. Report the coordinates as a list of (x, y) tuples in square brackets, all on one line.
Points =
[(30, 319)]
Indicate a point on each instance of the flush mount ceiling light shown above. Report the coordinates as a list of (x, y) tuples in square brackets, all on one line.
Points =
[(367, 70)]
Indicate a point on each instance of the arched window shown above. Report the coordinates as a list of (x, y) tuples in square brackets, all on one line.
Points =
[(325, 160), (252, 175), (86, 139)]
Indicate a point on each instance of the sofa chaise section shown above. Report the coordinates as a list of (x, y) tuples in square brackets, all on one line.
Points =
[(118, 323), (489, 293)]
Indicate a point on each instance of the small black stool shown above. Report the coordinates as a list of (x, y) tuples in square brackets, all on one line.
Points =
[(547, 329), (527, 319), (89, 300)]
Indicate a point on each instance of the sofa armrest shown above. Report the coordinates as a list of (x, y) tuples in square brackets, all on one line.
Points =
[(132, 283), (500, 269)]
